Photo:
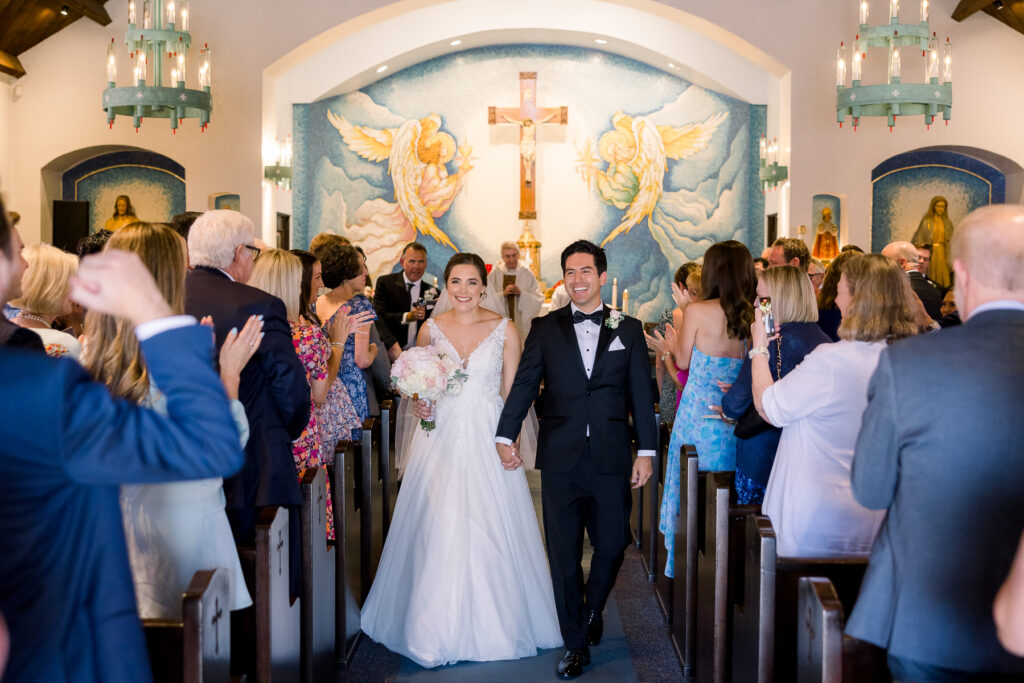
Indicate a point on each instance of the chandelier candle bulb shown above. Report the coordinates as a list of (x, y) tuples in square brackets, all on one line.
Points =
[(855, 68), (894, 63), (171, 15), (894, 11), (111, 64), (947, 62), (840, 66), (131, 13), (924, 11), (147, 14), (863, 5), (932, 66), (204, 67), (183, 15)]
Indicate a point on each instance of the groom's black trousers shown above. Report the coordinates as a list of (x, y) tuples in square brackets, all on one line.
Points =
[(579, 499)]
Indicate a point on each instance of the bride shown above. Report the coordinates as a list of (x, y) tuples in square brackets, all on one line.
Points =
[(463, 574)]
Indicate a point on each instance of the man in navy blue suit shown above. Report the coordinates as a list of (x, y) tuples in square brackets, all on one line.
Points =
[(65, 447), (949, 471)]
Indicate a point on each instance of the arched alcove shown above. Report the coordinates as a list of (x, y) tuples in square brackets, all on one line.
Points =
[(902, 187)]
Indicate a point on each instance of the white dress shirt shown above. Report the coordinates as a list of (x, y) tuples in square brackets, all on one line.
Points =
[(414, 294)]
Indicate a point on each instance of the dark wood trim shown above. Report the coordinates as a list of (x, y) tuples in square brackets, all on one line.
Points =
[(90, 8), (968, 7), (11, 65)]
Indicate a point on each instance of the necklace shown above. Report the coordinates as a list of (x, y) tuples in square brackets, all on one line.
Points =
[(36, 318)]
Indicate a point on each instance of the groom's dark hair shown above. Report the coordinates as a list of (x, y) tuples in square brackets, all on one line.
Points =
[(585, 247)]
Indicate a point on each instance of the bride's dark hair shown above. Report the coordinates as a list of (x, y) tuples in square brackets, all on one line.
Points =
[(466, 259), (729, 276)]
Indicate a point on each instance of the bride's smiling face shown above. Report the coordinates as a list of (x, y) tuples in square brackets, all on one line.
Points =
[(465, 287)]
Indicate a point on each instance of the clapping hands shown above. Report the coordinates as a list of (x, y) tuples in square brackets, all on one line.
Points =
[(681, 296)]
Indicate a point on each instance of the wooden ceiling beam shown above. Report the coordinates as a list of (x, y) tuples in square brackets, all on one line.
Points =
[(92, 9), (1007, 16), (9, 64), (968, 7)]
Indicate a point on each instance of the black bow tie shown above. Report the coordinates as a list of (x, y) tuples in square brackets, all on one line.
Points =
[(596, 317)]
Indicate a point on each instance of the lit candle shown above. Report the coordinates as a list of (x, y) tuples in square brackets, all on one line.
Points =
[(171, 14), (857, 57), (183, 16), (131, 12), (947, 62), (204, 67), (111, 63), (615, 292), (840, 66), (924, 11), (625, 302), (894, 61), (863, 12), (932, 68), (894, 10), (764, 149)]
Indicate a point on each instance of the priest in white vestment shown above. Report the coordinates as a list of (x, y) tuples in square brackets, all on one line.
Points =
[(518, 287)]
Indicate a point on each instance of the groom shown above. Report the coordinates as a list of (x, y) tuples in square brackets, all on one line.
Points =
[(595, 370)]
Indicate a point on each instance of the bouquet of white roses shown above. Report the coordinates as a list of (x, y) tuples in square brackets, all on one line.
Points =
[(427, 374)]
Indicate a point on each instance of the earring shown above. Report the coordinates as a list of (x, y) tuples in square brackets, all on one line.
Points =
[(483, 294)]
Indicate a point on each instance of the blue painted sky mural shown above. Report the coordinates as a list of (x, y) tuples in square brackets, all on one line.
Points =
[(655, 165)]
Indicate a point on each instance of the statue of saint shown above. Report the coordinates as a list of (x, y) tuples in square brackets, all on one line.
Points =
[(826, 242), (528, 143), (936, 229)]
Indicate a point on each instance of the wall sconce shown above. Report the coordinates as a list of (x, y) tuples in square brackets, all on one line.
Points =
[(770, 174), (280, 173)]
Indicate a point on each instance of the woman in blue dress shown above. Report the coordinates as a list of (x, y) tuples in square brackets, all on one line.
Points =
[(712, 344), (343, 269)]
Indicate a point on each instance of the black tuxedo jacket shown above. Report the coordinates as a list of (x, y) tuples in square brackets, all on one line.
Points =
[(391, 299), (929, 294), (619, 385), (273, 388), (18, 337)]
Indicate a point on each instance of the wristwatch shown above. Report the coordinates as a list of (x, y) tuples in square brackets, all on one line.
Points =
[(757, 350)]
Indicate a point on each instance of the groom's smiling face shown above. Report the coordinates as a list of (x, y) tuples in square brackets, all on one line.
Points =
[(582, 281)]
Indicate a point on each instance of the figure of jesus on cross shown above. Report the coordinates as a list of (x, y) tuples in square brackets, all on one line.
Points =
[(528, 116)]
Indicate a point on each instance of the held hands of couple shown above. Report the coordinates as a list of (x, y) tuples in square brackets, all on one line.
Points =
[(509, 455)]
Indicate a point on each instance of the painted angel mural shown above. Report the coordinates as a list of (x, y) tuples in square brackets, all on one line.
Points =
[(636, 153), (417, 153)]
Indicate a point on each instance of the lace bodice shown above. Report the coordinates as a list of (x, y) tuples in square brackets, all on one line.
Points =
[(483, 364)]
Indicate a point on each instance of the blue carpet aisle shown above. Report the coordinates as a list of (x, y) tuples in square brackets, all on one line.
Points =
[(635, 647)]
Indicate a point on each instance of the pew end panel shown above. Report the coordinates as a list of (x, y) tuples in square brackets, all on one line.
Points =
[(318, 581), (196, 649), (278, 619), (347, 553), (824, 653)]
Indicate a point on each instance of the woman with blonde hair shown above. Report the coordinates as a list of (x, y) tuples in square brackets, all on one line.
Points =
[(795, 311), (819, 406), (44, 297), (279, 272), (124, 214), (173, 529)]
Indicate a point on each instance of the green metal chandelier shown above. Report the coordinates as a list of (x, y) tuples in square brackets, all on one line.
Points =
[(163, 33), (895, 98)]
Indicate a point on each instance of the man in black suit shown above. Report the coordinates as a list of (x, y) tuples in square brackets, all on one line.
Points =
[(924, 260), (273, 385), (12, 335), (906, 257), (949, 472), (396, 296), (595, 370)]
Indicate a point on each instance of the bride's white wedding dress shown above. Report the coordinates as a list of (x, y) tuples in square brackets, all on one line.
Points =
[(463, 576)]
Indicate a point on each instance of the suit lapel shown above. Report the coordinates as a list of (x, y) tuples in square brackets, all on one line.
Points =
[(568, 329), (603, 340)]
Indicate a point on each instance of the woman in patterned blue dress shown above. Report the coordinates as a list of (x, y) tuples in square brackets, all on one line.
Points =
[(344, 270), (711, 344)]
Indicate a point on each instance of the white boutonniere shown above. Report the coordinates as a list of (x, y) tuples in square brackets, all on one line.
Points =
[(613, 320)]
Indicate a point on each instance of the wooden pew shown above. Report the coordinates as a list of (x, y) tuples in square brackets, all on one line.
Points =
[(386, 464), (347, 552), (765, 622), (369, 498), (663, 585), (277, 615), (645, 513), (719, 574), (824, 654), (318, 583), (196, 649), (688, 530)]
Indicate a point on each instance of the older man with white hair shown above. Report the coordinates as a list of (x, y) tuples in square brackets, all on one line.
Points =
[(273, 386), (905, 255), (519, 287), (948, 472)]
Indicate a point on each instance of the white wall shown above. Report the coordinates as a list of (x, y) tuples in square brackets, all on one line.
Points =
[(59, 108)]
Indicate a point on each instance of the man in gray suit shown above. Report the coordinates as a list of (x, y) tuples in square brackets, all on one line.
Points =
[(949, 472)]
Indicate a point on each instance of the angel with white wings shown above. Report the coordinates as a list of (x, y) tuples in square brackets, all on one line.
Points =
[(417, 153), (637, 154)]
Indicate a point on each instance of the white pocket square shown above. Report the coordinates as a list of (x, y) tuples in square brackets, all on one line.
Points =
[(616, 345)]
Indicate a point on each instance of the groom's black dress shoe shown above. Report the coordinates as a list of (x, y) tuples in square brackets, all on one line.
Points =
[(572, 663), (595, 627)]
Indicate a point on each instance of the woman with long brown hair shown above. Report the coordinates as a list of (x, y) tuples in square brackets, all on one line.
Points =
[(172, 529), (819, 406), (711, 346)]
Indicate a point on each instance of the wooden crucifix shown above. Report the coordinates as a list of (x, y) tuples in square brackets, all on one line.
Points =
[(528, 116)]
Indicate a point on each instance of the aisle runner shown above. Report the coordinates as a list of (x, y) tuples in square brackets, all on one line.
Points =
[(610, 661)]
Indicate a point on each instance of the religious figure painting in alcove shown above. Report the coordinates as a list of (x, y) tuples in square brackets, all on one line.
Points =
[(417, 153), (636, 153)]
